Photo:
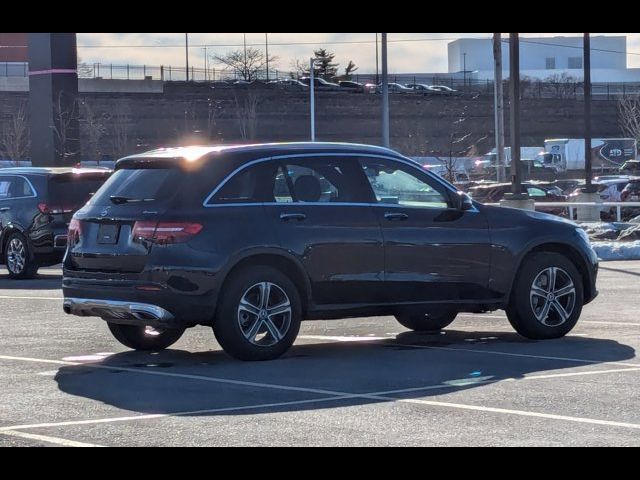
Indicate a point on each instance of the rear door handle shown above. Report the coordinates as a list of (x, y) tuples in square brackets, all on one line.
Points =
[(285, 217), (396, 216), (5, 209)]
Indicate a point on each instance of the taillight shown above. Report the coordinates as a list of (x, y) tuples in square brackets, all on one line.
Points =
[(166, 232), (53, 210), (75, 230)]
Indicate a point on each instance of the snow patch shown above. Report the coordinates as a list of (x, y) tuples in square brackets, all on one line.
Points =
[(617, 250)]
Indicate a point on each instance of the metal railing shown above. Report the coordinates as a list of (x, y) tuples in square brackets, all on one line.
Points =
[(571, 206)]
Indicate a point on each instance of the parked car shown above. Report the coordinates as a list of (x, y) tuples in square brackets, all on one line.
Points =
[(424, 89), (396, 88), (253, 239), (444, 89), (320, 83), (631, 167), (289, 83), (631, 192), (351, 86), (494, 192), (36, 205)]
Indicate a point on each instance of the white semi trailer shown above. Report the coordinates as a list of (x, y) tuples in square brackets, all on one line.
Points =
[(606, 153)]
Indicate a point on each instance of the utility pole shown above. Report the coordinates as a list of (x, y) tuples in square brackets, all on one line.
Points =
[(244, 69), (186, 51), (312, 98), (385, 94), (498, 107), (377, 69), (206, 66), (514, 99), (587, 113), (464, 70), (266, 50)]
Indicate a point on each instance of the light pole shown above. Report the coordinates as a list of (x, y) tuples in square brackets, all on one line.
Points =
[(464, 70), (377, 77), (385, 94), (186, 51), (312, 98), (206, 66), (266, 50)]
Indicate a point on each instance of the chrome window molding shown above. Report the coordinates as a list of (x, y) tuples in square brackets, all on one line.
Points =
[(34, 193), (402, 160)]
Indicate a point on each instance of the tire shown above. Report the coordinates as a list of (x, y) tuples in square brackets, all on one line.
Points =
[(426, 322), (246, 331), (18, 258), (526, 310), (139, 337)]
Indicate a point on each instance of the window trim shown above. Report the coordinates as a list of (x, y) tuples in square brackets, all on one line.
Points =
[(34, 192), (410, 163)]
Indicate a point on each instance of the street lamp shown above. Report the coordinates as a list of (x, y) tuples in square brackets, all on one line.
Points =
[(312, 97)]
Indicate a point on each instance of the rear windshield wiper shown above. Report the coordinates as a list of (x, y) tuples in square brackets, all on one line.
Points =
[(120, 200)]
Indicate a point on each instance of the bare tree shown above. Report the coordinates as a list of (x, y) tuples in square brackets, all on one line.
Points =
[(93, 126), (214, 108), (120, 118), (65, 126), (299, 68), (563, 85), (629, 115), (14, 136), (246, 104), (246, 64)]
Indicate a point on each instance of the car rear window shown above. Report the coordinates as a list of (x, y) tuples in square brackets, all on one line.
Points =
[(148, 184), (74, 190)]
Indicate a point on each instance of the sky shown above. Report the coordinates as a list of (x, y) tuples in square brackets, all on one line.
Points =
[(407, 52)]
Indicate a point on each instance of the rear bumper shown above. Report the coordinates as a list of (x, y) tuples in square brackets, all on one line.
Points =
[(122, 301), (120, 312)]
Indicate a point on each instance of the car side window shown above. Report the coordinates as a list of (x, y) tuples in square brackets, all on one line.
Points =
[(536, 192), (319, 180), (399, 184), (15, 187), (253, 184)]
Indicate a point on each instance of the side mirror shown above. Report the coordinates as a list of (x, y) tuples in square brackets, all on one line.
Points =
[(463, 201)]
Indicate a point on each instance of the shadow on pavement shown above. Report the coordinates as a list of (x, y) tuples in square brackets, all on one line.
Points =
[(409, 360), (619, 270), (49, 281)]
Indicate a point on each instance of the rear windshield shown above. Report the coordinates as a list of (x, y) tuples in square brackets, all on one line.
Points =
[(74, 190), (141, 184)]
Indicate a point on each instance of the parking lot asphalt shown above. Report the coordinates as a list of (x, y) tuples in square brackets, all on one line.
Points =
[(367, 381)]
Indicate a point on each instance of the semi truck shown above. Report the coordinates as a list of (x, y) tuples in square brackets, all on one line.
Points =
[(607, 154)]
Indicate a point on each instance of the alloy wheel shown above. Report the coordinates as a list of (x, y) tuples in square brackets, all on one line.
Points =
[(264, 314), (16, 256), (552, 296)]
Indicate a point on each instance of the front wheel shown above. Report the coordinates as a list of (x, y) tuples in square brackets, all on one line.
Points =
[(259, 314), (427, 322), (547, 298), (142, 337), (18, 259)]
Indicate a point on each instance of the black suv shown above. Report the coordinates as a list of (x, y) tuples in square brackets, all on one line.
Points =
[(253, 239), (36, 205)]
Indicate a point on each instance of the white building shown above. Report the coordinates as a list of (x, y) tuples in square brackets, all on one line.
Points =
[(544, 57)]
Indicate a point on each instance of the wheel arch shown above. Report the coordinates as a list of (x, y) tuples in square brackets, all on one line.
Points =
[(285, 263), (565, 249)]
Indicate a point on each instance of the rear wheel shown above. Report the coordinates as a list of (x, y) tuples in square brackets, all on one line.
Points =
[(141, 337), (547, 297), (18, 258), (427, 322), (259, 314)]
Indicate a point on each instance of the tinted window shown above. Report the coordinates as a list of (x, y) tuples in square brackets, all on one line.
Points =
[(150, 184), (536, 192), (320, 179), (396, 183), (15, 187), (74, 190), (251, 185)]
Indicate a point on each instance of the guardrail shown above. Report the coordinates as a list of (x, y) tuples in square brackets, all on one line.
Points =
[(571, 206)]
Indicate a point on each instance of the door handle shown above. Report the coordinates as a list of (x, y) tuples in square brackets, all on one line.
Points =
[(396, 216), (285, 217), (5, 209)]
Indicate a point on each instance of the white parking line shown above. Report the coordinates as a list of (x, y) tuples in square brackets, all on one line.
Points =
[(489, 352), (45, 438), (25, 297), (333, 396), (580, 322)]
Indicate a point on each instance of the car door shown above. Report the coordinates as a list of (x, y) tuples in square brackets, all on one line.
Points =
[(321, 215), (433, 252)]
